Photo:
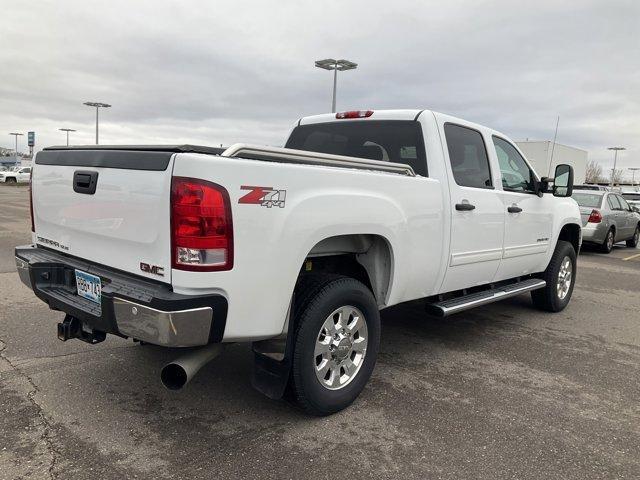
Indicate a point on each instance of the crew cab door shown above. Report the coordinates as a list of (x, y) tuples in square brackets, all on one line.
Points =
[(529, 218), (477, 211)]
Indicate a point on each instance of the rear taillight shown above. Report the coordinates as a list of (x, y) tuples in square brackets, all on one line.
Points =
[(355, 114), (33, 227), (202, 231), (595, 217)]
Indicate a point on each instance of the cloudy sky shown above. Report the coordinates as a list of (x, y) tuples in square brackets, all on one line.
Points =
[(227, 71)]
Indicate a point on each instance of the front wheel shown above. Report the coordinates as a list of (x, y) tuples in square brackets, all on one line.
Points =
[(560, 276), (336, 344), (633, 241)]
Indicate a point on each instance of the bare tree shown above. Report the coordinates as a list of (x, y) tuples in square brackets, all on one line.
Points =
[(616, 176), (593, 172)]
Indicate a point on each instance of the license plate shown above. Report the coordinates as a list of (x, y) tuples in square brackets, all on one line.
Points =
[(89, 286)]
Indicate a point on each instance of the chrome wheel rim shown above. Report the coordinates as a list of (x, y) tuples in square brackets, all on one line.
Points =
[(565, 275), (341, 346), (610, 240)]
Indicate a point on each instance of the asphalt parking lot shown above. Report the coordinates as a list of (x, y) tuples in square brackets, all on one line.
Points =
[(503, 391)]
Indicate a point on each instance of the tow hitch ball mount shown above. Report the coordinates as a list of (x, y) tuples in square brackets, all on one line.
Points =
[(71, 327)]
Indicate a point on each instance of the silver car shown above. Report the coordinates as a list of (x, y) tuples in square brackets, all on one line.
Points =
[(607, 218), (632, 198)]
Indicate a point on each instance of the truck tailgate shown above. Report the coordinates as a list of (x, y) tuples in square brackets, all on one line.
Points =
[(124, 224)]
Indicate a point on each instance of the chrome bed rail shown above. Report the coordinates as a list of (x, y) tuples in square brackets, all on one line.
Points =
[(289, 155)]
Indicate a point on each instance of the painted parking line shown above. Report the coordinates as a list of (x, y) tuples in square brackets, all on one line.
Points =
[(637, 255)]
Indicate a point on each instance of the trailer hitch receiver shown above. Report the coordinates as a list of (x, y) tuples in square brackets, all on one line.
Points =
[(71, 327)]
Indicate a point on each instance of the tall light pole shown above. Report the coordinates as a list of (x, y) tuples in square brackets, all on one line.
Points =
[(17, 135), (633, 175), (615, 161), (335, 65), (71, 130), (98, 105)]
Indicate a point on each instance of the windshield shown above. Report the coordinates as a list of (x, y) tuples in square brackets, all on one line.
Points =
[(634, 197), (589, 200), (387, 140)]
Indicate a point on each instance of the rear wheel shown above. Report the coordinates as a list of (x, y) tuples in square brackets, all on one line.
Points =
[(633, 241), (560, 277), (609, 240), (336, 344)]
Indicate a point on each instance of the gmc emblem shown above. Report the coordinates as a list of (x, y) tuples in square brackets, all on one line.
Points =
[(153, 269)]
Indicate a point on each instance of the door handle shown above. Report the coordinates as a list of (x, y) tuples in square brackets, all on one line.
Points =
[(514, 209), (464, 207), (85, 181)]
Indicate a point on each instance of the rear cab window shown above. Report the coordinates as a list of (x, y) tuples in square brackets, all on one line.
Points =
[(398, 141), (468, 156)]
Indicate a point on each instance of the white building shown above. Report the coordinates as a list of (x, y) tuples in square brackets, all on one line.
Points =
[(539, 155)]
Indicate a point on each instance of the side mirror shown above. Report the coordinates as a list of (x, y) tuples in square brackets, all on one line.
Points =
[(563, 181)]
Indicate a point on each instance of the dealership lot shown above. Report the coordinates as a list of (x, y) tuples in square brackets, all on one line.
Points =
[(503, 391)]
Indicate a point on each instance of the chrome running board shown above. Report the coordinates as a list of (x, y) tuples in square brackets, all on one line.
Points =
[(459, 304)]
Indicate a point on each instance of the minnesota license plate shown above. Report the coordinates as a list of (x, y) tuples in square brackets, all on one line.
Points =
[(89, 286)]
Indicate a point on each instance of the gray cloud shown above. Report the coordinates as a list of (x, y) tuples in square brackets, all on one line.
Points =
[(221, 72)]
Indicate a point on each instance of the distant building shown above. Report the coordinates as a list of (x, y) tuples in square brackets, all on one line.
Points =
[(539, 155)]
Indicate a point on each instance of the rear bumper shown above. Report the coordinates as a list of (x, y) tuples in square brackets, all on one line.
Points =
[(594, 232), (130, 306)]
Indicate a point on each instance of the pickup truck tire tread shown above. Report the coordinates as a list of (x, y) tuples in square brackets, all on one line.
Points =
[(316, 297), (547, 298)]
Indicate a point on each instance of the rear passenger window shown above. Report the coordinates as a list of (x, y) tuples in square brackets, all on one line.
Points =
[(614, 204), (468, 156), (623, 203)]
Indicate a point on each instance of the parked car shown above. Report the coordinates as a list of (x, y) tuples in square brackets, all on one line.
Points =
[(178, 246), (607, 218), (17, 175), (633, 199), (592, 187)]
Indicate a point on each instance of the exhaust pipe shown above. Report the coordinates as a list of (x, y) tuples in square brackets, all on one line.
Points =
[(178, 373)]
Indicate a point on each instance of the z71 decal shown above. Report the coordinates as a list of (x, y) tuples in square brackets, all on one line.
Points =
[(265, 196)]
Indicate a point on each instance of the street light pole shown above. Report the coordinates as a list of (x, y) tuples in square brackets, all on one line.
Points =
[(615, 161), (69, 130), (633, 175), (335, 65), (98, 105), (17, 135)]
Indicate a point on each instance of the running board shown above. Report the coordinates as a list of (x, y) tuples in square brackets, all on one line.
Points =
[(459, 304)]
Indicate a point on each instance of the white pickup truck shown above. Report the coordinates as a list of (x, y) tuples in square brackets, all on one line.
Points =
[(296, 249)]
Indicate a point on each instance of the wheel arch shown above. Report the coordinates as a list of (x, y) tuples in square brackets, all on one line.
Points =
[(570, 232), (365, 256)]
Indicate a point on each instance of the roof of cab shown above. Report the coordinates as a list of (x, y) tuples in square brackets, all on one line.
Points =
[(409, 114)]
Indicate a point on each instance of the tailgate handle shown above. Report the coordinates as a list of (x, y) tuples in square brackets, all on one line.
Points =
[(85, 181)]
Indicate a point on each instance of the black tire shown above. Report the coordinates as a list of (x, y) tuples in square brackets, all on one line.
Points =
[(633, 241), (316, 298), (609, 240), (548, 298), (10, 180)]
